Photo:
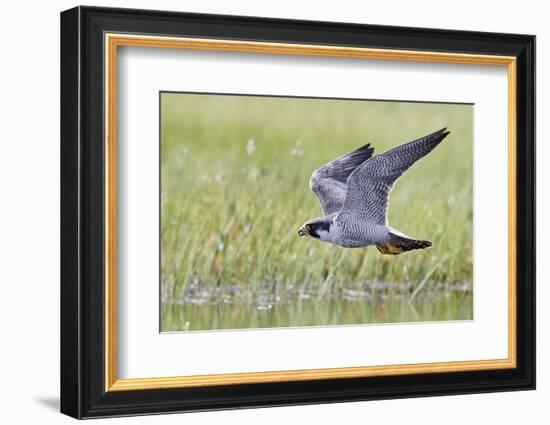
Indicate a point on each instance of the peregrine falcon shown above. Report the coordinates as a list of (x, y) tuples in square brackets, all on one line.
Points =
[(353, 191)]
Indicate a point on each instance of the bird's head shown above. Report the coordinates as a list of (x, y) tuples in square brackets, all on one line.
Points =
[(318, 228)]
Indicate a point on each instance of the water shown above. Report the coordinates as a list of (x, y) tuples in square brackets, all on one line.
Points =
[(203, 307)]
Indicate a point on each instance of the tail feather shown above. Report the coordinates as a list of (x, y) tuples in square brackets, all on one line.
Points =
[(398, 244)]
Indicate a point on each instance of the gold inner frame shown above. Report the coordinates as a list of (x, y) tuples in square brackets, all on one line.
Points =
[(113, 41)]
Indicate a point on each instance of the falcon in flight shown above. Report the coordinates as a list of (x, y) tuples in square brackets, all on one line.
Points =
[(353, 191)]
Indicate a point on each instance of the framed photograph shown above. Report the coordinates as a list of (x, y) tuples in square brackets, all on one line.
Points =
[(261, 212)]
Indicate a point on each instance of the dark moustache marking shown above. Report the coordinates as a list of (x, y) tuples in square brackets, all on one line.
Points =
[(319, 226)]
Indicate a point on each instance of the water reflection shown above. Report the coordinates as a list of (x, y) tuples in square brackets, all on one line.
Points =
[(210, 307)]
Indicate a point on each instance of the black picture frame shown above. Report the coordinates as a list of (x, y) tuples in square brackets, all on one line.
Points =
[(83, 392)]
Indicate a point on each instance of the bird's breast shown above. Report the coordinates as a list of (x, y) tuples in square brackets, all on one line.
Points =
[(357, 232)]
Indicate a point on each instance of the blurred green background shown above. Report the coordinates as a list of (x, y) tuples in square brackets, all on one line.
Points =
[(235, 189)]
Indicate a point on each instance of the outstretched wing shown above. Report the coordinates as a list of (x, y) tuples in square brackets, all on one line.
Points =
[(328, 182), (369, 186)]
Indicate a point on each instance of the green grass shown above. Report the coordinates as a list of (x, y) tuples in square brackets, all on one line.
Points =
[(229, 218)]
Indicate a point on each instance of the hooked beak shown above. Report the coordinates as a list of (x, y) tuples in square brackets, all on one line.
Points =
[(303, 231)]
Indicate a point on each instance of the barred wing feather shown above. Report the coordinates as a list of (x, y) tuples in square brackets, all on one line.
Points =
[(328, 182), (369, 185)]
